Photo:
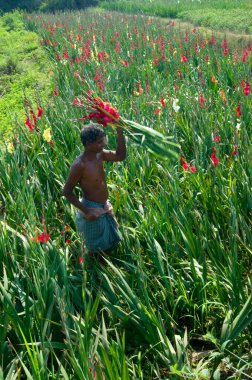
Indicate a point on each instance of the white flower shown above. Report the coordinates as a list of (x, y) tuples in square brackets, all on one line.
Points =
[(238, 126), (175, 105)]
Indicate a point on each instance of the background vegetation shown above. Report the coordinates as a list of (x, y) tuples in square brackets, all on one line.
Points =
[(229, 15), (45, 5), (24, 71)]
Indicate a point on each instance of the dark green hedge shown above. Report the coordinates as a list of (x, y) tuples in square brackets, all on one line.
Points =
[(45, 5)]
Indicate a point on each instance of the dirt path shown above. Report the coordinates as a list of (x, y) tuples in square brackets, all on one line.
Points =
[(231, 37)]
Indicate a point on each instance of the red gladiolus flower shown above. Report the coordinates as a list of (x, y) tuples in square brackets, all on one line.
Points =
[(77, 102), (238, 110), (187, 166), (212, 40), (179, 73), (214, 159), (56, 91), (103, 113), (81, 260), (157, 111), (40, 112), (51, 142), (217, 138), (234, 152), (29, 124), (42, 238), (68, 241), (162, 102)]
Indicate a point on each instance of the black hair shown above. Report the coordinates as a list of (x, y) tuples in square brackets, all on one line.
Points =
[(91, 133)]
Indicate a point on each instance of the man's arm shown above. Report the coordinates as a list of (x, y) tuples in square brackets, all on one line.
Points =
[(120, 153), (72, 181)]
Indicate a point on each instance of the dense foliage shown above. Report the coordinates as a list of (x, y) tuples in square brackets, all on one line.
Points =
[(174, 301)]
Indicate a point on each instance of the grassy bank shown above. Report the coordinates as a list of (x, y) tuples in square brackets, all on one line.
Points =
[(225, 15), (24, 71)]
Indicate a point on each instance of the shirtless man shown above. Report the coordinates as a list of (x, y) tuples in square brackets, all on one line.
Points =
[(95, 219)]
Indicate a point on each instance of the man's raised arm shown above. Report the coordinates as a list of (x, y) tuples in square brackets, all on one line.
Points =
[(120, 153)]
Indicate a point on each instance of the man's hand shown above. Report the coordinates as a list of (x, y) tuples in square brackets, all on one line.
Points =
[(109, 208)]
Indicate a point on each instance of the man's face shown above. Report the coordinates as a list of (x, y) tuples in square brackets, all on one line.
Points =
[(98, 145)]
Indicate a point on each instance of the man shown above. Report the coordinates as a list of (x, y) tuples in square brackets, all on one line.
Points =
[(95, 219)]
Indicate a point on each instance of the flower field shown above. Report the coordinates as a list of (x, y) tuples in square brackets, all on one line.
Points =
[(174, 301)]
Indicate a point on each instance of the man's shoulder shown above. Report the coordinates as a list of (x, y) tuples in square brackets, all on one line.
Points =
[(79, 162)]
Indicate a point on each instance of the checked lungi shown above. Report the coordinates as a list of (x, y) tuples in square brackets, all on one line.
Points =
[(100, 234)]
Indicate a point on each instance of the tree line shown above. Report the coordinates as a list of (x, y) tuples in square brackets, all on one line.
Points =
[(45, 5)]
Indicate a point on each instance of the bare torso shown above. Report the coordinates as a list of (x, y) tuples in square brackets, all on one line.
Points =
[(93, 180)]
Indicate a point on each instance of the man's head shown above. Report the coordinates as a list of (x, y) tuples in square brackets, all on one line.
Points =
[(93, 136)]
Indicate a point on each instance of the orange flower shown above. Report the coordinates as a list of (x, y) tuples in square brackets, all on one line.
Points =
[(214, 80), (222, 94)]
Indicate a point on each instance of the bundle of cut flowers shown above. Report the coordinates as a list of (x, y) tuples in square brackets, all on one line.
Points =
[(103, 113)]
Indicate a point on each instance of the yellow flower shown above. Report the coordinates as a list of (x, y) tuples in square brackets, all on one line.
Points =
[(47, 135), (10, 147)]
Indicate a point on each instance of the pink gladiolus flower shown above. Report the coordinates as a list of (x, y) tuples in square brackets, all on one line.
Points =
[(202, 100), (224, 44), (183, 59), (246, 89)]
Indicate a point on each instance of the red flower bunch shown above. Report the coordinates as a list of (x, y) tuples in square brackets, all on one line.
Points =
[(187, 166), (31, 121), (42, 238), (238, 110), (246, 88), (214, 159), (102, 112)]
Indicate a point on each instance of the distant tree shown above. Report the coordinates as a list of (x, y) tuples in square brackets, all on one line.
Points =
[(49, 5)]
